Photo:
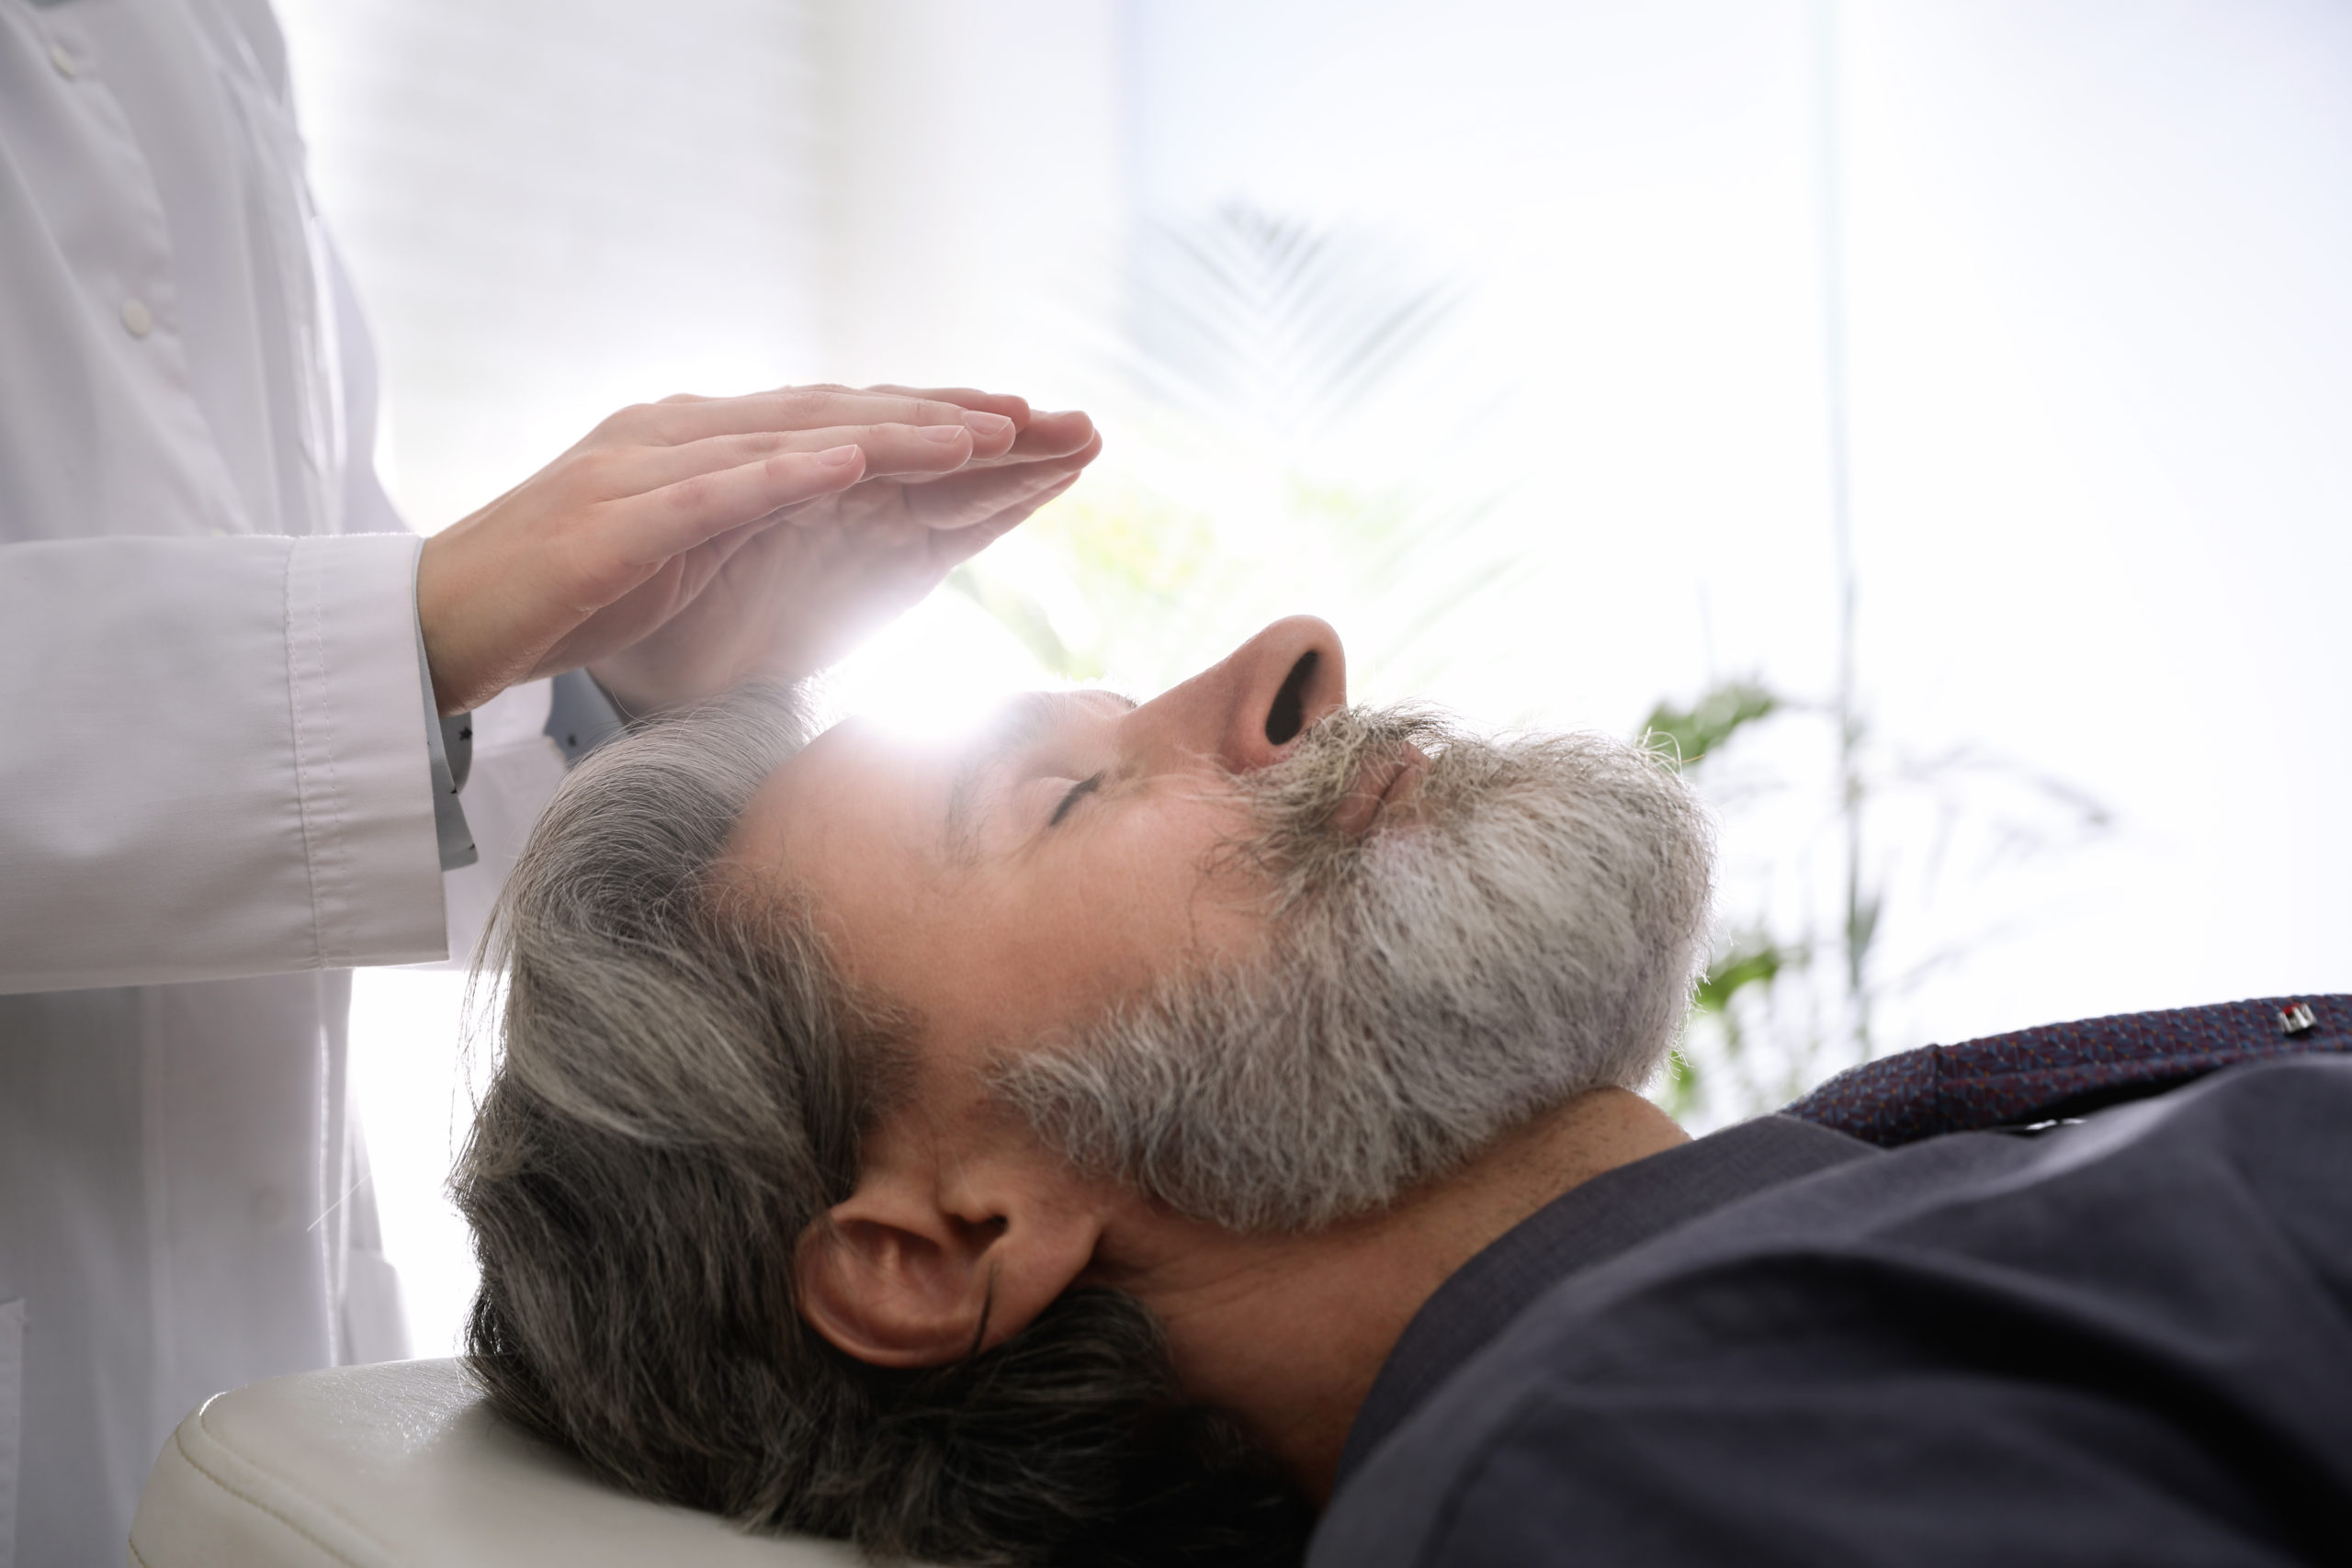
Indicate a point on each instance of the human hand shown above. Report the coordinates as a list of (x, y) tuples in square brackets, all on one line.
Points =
[(794, 597), (629, 528)]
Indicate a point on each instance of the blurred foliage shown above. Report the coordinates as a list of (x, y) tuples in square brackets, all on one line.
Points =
[(1266, 321), (1144, 566), (1751, 958), (1687, 737), (1253, 346), (1755, 961), (1688, 734), (1767, 1020)]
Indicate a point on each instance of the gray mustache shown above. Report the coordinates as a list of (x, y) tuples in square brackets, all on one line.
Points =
[(1293, 803)]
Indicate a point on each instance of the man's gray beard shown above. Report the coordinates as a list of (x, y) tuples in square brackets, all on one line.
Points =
[(1526, 930)]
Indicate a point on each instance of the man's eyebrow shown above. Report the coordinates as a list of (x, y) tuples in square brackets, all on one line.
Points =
[(1020, 723)]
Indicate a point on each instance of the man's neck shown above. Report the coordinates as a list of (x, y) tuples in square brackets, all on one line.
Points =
[(1288, 1332)]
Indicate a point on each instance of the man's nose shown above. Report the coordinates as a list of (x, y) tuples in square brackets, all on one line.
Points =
[(1245, 711)]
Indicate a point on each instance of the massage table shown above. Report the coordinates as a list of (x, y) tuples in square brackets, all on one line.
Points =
[(402, 1464)]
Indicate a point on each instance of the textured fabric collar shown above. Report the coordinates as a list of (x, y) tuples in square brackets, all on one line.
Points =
[(2066, 1069), (1587, 1224)]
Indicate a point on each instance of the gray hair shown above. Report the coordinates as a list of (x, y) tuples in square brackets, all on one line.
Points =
[(682, 1086)]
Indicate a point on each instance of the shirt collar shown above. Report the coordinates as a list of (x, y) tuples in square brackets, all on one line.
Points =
[(1589, 1224)]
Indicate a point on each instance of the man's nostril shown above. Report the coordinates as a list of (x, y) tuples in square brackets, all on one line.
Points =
[(1288, 716)]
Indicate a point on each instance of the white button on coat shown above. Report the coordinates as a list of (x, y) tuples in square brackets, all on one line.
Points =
[(214, 795)]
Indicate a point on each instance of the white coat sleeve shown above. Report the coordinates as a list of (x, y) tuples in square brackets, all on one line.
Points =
[(515, 766), (211, 761)]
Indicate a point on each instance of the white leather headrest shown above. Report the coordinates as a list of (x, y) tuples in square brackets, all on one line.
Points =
[(370, 1467)]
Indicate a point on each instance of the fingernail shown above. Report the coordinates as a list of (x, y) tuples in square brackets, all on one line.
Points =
[(943, 433), (838, 457), (987, 423)]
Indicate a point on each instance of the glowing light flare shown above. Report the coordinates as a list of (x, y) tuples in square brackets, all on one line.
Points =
[(938, 671)]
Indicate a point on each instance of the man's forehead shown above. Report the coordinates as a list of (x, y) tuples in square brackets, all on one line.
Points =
[(1028, 716), (862, 776)]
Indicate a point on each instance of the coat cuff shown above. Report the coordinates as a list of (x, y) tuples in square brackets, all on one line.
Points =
[(449, 755), (364, 784)]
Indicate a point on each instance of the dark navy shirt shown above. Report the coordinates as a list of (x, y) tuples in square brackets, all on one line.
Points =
[(2125, 1341)]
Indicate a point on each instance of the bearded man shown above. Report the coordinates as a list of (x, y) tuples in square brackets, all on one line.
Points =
[(1165, 1133)]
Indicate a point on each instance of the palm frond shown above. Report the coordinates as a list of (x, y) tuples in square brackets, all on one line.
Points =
[(1248, 318)]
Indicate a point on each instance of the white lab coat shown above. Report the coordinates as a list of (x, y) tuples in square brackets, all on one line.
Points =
[(214, 794)]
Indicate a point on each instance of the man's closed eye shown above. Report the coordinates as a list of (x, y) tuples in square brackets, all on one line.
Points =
[(1082, 787)]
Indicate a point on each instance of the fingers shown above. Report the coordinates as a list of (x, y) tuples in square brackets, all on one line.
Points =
[(897, 450), (675, 422), (978, 495), (1067, 438), (638, 530), (1012, 408), (1060, 461), (1058, 436)]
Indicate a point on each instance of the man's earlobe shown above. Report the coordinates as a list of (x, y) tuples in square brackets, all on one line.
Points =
[(905, 1284)]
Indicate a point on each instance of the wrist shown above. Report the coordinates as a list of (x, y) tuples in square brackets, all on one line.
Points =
[(631, 700), (628, 706), (462, 680)]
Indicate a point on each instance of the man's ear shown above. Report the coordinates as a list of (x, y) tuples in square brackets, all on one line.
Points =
[(914, 1270)]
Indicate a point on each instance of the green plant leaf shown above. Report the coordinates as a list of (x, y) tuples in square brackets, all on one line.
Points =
[(1689, 735)]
